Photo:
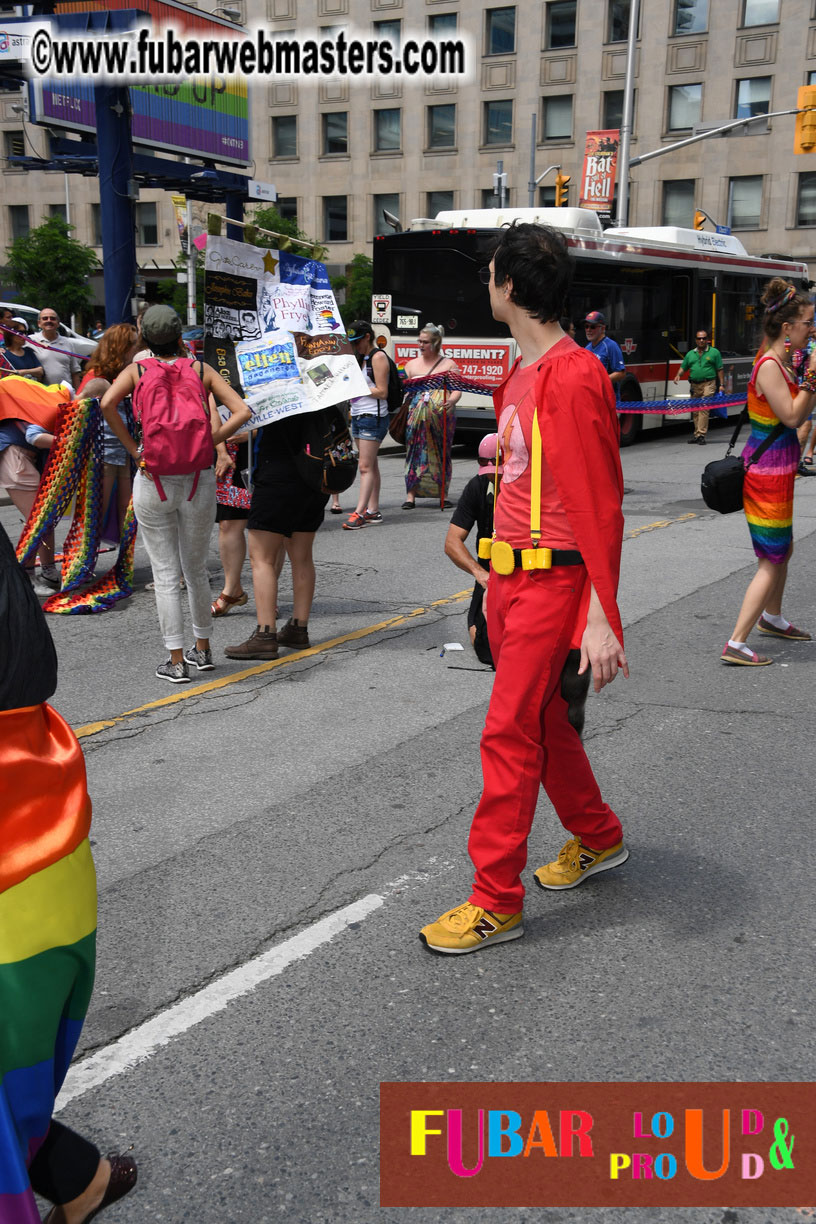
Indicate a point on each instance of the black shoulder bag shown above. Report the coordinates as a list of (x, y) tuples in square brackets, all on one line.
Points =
[(722, 481)]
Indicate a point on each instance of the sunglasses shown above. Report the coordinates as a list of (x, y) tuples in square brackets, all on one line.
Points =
[(484, 276), (704, 339), (49, 320), (591, 326)]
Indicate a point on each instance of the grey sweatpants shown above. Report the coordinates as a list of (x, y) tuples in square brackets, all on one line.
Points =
[(176, 535)]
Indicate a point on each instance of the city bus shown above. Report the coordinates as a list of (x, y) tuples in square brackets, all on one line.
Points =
[(655, 285)]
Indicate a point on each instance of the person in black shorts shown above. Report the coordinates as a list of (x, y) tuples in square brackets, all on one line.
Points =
[(475, 506), (284, 514)]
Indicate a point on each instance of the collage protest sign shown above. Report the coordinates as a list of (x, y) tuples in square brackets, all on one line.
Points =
[(273, 331)]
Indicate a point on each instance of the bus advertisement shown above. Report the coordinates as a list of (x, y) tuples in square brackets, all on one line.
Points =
[(655, 285)]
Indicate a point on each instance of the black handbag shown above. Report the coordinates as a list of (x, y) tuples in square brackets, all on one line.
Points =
[(722, 480)]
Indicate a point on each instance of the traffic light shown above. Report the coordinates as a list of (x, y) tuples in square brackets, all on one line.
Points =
[(561, 190), (804, 140), (699, 219)]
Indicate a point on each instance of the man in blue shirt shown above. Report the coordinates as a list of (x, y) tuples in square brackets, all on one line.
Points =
[(606, 350)]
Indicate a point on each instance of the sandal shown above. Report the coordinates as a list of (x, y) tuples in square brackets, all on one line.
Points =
[(224, 602), (336, 510), (409, 505), (808, 461)]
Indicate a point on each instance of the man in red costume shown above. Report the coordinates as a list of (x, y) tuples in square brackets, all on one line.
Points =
[(555, 561)]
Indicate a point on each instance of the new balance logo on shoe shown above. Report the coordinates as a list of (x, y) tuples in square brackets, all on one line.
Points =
[(484, 927), (586, 860)]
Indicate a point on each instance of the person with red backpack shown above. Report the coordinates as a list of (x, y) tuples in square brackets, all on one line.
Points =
[(174, 489)]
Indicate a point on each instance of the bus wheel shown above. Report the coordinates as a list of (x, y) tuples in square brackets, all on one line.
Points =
[(631, 424)]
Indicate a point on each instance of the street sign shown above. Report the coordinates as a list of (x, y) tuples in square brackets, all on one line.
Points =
[(261, 191), (381, 308), (723, 229)]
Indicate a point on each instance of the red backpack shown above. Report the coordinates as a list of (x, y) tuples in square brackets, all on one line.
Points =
[(171, 409)]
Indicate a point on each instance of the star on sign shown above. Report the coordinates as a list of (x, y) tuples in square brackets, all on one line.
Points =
[(270, 264)]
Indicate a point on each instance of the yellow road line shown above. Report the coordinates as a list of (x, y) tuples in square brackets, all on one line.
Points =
[(636, 531), (213, 685)]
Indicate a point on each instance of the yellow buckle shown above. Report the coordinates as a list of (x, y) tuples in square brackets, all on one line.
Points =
[(536, 558), (501, 557), (485, 547)]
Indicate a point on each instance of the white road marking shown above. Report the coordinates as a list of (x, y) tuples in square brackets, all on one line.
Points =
[(149, 1037)]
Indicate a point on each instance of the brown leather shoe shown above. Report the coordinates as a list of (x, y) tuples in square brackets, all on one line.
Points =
[(122, 1180), (263, 644), (293, 634)]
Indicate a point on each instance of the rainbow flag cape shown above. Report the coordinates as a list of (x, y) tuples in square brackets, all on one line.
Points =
[(73, 470), (47, 935)]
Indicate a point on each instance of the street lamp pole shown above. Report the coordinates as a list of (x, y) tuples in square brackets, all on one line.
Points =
[(626, 124)]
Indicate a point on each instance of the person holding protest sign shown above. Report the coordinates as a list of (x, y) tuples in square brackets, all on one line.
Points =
[(284, 517)]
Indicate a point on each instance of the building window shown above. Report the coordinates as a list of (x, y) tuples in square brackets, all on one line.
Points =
[(617, 21), (560, 28), (57, 210), (806, 200), (442, 24), (388, 31), (678, 203), (385, 203), (612, 109), (18, 221), (753, 97), (287, 207), (335, 219), (760, 12), (441, 126), (147, 224), (284, 136), (439, 201), (96, 225), (690, 16), (14, 144), (811, 78), (556, 118), (745, 202), (387, 131), (335, 132), (685, 102), (491, 200), (500, 31), (498, 123), (546, 197)]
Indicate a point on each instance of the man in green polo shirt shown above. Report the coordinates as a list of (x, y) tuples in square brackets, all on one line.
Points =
[(704, 368)]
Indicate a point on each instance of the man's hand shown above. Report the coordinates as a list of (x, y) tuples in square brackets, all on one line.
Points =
[(600, 649)]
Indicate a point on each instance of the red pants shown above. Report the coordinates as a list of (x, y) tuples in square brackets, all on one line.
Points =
[(527, 738)]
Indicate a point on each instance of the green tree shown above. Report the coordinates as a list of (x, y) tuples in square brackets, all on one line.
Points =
[(357, 284), (49, 267), (270, 219)]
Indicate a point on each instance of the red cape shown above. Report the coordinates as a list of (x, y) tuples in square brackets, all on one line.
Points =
[(580, 438)]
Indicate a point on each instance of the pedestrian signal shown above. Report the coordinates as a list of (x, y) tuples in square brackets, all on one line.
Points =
[(562, 190), (699, 219), (804, 139)]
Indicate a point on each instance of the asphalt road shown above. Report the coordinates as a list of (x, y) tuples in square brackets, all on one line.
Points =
[(232, 823)]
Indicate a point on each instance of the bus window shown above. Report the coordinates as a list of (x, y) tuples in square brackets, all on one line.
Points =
[(739, 315)]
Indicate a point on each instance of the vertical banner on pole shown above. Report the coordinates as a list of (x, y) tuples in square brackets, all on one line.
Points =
[(180, 209), (600, 167)]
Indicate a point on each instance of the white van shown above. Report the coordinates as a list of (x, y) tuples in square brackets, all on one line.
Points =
[(81, 344)]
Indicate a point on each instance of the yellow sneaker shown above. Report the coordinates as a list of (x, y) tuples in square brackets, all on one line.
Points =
[(468, 928), (576, 862)]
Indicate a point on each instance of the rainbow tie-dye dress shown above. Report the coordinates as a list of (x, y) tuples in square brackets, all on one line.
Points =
[(768, 489), (47, 934)]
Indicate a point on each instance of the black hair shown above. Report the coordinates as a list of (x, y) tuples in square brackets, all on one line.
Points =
[(536, 260)]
